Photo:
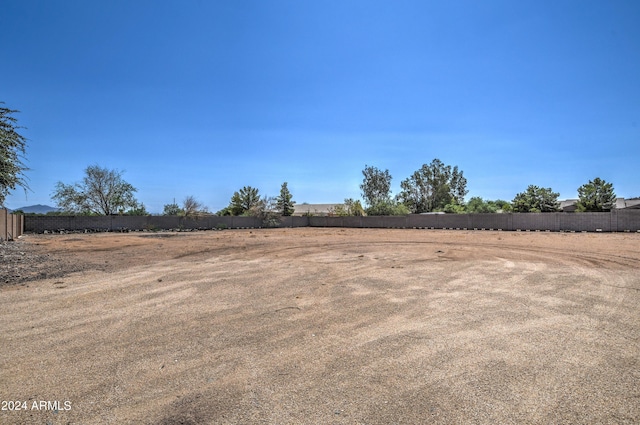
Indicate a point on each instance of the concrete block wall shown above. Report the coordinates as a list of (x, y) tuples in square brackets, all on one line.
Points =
[(424, 221), (360, 222), (615, 221), (129, 222), (535, 221), (352, 221), (18, 225), (491, 221), (453, 221), (318, 221), (4, 220), (626, 220), (11, 225), (39, 224), (385, 222), (164, 222), (194, 223), (589, 222), (294, 221)]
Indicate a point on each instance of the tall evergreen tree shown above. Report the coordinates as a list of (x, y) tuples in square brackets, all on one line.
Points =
[(244, 200), (173, 209), (284, 204), (536, 199), (597, 195)]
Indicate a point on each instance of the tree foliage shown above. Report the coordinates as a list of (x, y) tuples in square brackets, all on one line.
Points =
[(284, 204), (433, 187), (597, 195), (455, 208), (226, 211), (172, 209), (140, 209), (354, 207), (350, 207), (12, 151), (102, 192), (244, 200), (376, 185), (191, 207), (388, 207), (478, 205), (536, 199), (503, 205), (266, 210)]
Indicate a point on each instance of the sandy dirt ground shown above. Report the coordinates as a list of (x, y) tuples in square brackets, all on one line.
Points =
[(321, 326)]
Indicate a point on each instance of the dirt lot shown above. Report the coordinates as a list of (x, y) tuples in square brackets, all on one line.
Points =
[(321, 326)]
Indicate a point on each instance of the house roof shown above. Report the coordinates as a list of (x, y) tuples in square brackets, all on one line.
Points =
[(569, 204), (621, 203), (565, 205), (318, 209), (632, 203)]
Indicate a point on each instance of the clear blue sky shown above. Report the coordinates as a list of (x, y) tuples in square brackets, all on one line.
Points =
[(203, 97)]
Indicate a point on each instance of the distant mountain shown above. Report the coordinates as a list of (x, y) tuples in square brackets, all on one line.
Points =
[(37, 209)]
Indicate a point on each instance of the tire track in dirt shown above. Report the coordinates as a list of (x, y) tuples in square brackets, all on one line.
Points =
[(332, 327)]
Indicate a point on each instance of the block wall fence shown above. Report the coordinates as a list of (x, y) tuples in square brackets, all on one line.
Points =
[(614, 221), (11, 225)]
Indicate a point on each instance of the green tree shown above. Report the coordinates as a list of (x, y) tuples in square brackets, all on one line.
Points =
[(433, 187), (536, 199), (12, 151), (597, 195), (478, 205), (354, 207), (457, 186), (376, 185), (350, 207), (454, 208), (284, 204), (388, 207), (244, 200), (172, 209), (503, 205), (225, 211), (140, 209), (102, 192)]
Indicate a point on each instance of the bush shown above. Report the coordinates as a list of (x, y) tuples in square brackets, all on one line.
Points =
[(454, 208), (150, 228), (388, 207)]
